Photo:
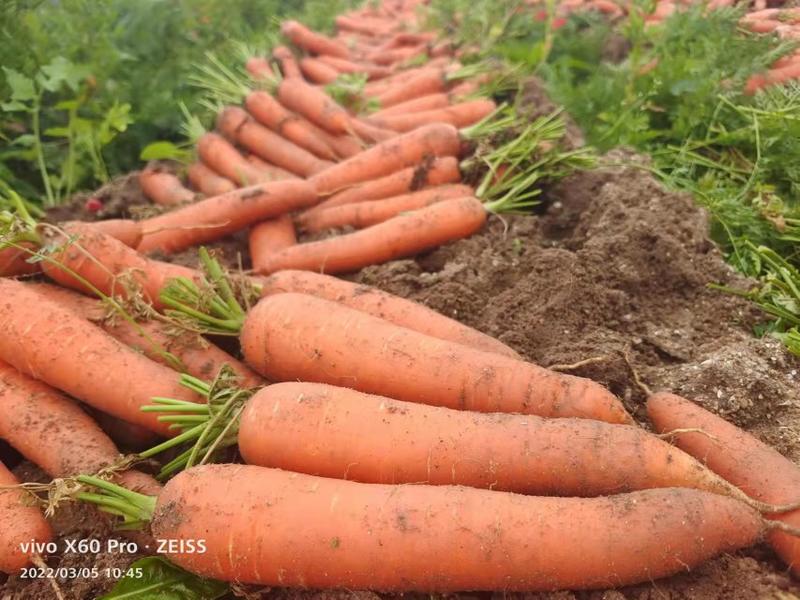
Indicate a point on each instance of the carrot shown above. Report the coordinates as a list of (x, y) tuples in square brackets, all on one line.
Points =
[(207, 182), (329, 533), (375, 88), (396, 55), (459, 115), (377, 303), (746, 462), (429, 81), (49, 342), (296, 336), (31, 412), (405, 38), (342, 65), (269, 237), (268, 111), (772, 77), (364, 214), (310, 41), (21, 523), (126, 435), (164, 188), (398, 237), (222, 157), (318, 71), (314, 104), (272, 172), (236, 124), (258, 67), (216, 217), (14, 261), (155, 339), (408, 150), (125, 230), (423, 103), (108, 265), (362, 26), (369, 132), (289, 66), (439, 171)]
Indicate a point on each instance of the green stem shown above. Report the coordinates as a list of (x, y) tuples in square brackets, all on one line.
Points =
[(38, 148), (117, 499)]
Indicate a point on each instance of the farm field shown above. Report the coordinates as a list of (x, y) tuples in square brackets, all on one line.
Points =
[(399, 298)]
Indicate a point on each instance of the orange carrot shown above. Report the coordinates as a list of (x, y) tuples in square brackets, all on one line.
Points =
[(342, 65), (423, 103), (289, 337), (49, 342), (746, 462), (772, 77), (396, 55), (258, 67), (164, 188), (269, 237), (388, 307), (236, 124), (21, 523), (429, 81), (364, 214), (125, 435), (369, 132), (268, 111), (126, 231), (439, 171), (314, 104), (216, 217), (272, 172), (329, 533), (222, 157), (31, 411), (398, 237), (459, 115), (318, 71), (207, 182), (407, 150), (14, 261), (289, 66), (362, 26), (311, 41)]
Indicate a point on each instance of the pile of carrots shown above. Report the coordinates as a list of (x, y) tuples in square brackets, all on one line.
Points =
[(386, 446)]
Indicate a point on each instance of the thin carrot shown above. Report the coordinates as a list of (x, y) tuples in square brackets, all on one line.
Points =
[(396, 55), (365, 214), (216, 217), (342, 65), (31, 411), (314, 104), (289, 66), (318, 71), (222, 157), (21, 523), (772, 77), (362, 26), (311, 41), (459, 115), (377, 303), (430, 538), (207, 182), (422, 103), (235, 123), (163, 187), (49, 342), (258, 67), (269, 237), (428, 81), (407, 150), (272, 172), (398, 237), (759, 470)]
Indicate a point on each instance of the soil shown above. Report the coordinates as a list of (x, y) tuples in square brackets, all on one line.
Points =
[(616, 270)]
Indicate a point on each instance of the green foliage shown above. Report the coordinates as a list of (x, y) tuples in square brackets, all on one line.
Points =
[(154, 578)]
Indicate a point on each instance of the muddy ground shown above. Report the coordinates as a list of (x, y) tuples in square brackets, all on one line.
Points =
[(614, 269)]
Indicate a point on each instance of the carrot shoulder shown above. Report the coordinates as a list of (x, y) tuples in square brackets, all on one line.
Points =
[(270, 236)]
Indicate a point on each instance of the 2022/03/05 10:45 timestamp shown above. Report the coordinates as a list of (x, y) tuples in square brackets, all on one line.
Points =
[(68, 573)]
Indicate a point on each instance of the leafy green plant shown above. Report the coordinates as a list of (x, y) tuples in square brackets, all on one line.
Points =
[(153, 578)]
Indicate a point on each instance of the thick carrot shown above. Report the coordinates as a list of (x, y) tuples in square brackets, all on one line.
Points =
[(49, 342), (236, 124), (439, 171), (329, 533), (388, 307), (407, 150), (296, 336), (422, 103), (746, 462), (289, 66), (216, 217), (125, 230), (21, 523), (314, 104), (32, 412), (342, 65), (317, 71), (268, 111), (153, 338), (364, 214), (14, 262), (164, 188), (222, 157), (207, 182), (108, 265), (312, 41), (310, 428), (399, 237), (459, 115), (272, 172), (269, 237)]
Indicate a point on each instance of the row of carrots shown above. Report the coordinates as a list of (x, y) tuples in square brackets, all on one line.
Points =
[(386, 446)]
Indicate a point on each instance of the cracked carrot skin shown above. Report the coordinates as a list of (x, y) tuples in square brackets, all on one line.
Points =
[(20, 522), (32, 412), (278, 528), (49, 342), (290, 336), (759, 470)]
